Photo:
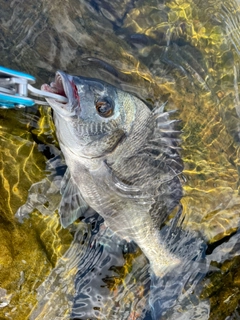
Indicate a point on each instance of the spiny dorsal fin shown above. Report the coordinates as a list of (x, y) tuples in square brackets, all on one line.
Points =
[(161, 150), (165, 129)]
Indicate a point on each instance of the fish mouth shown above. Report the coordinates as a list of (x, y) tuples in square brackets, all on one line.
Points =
[(64, 86)]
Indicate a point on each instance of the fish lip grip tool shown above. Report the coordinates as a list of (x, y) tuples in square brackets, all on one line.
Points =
[(14, 89)]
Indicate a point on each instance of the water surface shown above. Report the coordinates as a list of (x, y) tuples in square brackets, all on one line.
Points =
[(183, 52)]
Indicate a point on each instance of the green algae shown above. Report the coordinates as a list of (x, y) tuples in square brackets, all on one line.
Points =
[(28, 251)]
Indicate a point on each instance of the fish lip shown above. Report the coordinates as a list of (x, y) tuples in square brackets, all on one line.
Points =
[(63, 85)]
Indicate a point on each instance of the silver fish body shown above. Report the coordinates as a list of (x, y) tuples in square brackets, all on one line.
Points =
[(122, 162)]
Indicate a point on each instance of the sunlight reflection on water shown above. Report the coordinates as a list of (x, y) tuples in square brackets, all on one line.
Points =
[(181, 51)]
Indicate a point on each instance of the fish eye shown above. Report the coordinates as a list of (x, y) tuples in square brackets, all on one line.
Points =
[(105, 106)]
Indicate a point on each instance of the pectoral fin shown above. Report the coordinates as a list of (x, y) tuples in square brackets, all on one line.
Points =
[(72, 205)]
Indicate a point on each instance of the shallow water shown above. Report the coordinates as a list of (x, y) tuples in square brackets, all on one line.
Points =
[(183, 52)]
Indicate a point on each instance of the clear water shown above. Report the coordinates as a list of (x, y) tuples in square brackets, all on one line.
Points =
[(185, 52)]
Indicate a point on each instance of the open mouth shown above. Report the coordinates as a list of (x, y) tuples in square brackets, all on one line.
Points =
[(62, 94), (57, 88)]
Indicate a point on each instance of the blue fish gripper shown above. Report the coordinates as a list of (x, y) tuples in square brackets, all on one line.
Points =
[(14, 89)]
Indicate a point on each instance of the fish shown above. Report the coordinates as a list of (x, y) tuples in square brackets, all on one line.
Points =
[(123, 162)]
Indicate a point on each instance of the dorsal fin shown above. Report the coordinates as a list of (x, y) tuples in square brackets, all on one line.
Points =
[(161, 154)]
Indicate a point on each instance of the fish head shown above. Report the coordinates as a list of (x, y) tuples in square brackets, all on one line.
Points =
[(96, 117)]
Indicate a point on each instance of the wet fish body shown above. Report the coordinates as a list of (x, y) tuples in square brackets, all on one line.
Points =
[(122, 162)]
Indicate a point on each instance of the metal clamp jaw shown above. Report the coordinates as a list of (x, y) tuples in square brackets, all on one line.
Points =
[(14, 87)]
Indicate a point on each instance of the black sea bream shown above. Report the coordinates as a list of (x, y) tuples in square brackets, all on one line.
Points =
[(122, 162)]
